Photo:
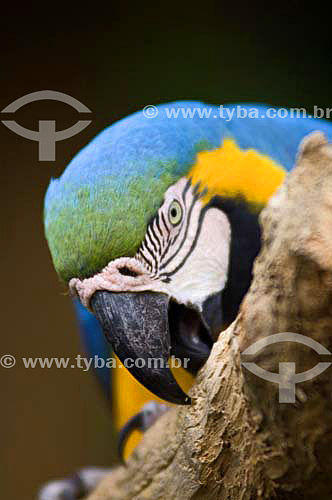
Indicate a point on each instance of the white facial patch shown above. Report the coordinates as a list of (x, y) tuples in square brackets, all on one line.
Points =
[(204, 272)]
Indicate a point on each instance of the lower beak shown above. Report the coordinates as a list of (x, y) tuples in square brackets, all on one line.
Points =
[(136, 325)]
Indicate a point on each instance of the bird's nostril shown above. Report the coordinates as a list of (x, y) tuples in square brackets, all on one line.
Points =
[(127, 272)]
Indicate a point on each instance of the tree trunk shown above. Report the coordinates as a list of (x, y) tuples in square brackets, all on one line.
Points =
[(238, 440)]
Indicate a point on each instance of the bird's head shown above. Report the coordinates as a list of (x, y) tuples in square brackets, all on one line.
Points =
[(144, 235)]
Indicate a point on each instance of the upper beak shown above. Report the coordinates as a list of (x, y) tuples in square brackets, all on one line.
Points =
[(136, 325)]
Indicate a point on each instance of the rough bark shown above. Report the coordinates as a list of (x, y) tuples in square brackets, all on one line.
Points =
[(237, 441)]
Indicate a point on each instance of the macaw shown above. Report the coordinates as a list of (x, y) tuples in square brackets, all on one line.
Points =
[(154, 227)]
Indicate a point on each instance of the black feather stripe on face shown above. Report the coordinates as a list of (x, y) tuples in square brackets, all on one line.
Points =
[(245, 246)]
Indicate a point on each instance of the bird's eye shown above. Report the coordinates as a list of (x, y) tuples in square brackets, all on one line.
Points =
[(175, 213)]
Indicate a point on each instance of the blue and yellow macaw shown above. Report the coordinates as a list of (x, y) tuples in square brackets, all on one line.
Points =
[(154, 226)]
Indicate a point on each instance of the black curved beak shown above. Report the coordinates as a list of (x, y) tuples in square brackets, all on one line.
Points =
[(136, 325)]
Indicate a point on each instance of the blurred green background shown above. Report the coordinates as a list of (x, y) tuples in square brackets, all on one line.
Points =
[(115, 60)]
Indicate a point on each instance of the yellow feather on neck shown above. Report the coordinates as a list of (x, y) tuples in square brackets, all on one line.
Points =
[(128, 397), (230, 171)]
